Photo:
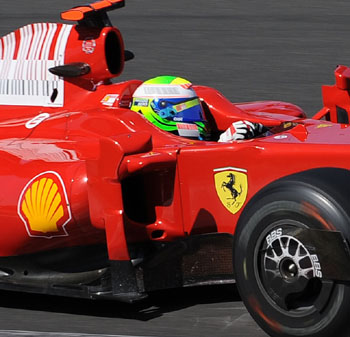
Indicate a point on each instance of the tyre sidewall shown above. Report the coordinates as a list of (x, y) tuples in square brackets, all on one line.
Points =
[(307, 205)]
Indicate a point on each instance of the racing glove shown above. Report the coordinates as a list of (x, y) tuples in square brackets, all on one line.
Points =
[(241, 130)]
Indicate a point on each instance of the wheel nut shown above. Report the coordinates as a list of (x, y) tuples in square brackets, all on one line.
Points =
[(292, 268)]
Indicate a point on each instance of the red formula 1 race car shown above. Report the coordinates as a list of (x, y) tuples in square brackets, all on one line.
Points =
[(98, 202)]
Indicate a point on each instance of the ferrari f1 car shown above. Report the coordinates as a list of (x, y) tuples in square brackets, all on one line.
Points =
[(97, 202)]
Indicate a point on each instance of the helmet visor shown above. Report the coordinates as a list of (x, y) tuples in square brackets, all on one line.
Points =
[(179, 109)]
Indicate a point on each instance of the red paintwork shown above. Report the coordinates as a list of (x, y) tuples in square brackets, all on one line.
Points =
[(336, 96), (93, 148)]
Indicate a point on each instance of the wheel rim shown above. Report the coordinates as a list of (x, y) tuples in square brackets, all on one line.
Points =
[(288, 273)]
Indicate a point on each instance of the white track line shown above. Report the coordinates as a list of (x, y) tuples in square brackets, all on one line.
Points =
[(19, 333)]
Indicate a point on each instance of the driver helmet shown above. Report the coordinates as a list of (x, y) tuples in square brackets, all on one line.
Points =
[(170, 103)]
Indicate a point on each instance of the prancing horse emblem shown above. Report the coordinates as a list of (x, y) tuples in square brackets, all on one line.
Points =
[(231, 186)]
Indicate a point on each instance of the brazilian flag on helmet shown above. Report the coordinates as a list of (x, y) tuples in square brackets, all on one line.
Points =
[(170, 103)]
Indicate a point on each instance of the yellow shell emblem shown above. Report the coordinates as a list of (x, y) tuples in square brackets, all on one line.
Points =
[(43, 206), (231, 186)]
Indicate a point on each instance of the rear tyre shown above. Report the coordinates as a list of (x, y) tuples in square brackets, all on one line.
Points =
[(278, 276)]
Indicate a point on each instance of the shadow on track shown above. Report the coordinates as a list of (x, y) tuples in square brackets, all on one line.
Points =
[(157, 304)]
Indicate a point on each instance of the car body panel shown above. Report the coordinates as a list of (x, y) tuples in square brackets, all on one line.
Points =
[(83, 176)]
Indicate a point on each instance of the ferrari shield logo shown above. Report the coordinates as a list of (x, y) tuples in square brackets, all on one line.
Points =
[(43, 206), (231, 186)]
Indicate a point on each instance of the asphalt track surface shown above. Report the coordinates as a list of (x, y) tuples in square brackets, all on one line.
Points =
[(249, 50)]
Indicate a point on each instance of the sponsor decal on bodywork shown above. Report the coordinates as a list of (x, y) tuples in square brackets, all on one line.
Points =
[(25, 59), (109, 99), (231, 186), (88, 46), (43, 206), (320, 126), (281, 137), (32, 123)]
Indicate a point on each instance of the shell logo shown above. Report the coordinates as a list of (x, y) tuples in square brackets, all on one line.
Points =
[(43, 206)]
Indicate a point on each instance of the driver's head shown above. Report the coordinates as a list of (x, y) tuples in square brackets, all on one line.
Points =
[(170, 103)]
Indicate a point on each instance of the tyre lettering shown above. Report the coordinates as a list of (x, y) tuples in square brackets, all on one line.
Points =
[(273, 236), (317, 266)]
